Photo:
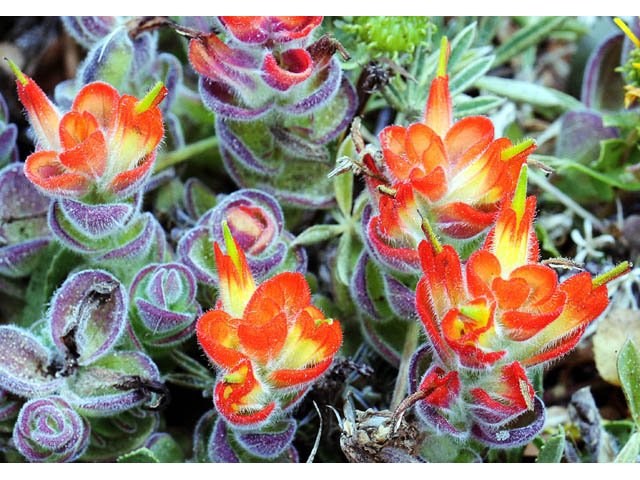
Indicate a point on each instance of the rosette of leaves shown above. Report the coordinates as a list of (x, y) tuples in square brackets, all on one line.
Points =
[(50, 430), (24, 233), (256, 220), (132, 64), (279, 100), (163, 306), (8, 136), (72, 352), (214, 441)]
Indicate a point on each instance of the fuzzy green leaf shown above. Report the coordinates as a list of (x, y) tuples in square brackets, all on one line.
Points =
[(525, 92), (477, 106), (343, 259), (343, 183), (318, 234), (462, 43), (552, 450), (629, 453), (629, 372), (470, 73)]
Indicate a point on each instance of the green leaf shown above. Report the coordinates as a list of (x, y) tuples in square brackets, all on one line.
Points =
[(166, 449), (318, 234), (552, 450), (477, 106), (343, 183), (521, 91), (629, 454), (141, 455), (526, 37), (343, 259), (470, 73), (461, 44), (629, 373)]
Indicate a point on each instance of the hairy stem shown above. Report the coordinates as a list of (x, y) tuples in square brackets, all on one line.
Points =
[(410, 345)]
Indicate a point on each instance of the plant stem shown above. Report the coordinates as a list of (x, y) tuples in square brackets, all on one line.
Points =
[(185, 153), (410, 345)]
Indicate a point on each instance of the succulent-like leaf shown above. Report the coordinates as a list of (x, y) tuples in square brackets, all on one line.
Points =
[(25, 364), (88, 314), (49, 430)]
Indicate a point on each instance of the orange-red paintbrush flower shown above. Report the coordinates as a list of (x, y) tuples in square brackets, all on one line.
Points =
[(103, 148), (269, 338)]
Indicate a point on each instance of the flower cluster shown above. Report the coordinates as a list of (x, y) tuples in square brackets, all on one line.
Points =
[(452, 174), (493, 320), (269, 341)]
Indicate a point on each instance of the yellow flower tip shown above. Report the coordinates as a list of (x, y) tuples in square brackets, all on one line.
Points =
[(477, 312), (623, 26), (231, 245), (430, 234), (615, 272), (444, 57), (152, 99), (511, 152), (636, 65), (236, 377), (17, 72), (320, 321), (519, 201)]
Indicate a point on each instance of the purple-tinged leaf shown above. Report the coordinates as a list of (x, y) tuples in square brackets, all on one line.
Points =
[(580, 136), (419, 364), (602, 87), (114, 383), (359, 291), (19, 260), (527, 427), (9, 408), (96, 221), (49, 430), (195, 250), (89, 312), (233, 143), (24, 364), (8, 138), (218, 446), (90, 29), (268, 444), (401, 299), (331, 77), (140, 245), (221, 99)]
